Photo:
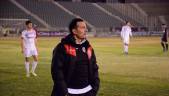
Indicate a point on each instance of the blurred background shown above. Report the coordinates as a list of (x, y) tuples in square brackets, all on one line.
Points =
[(103, 17)]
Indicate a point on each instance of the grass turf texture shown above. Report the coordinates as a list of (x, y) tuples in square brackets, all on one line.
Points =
[(144, 72)]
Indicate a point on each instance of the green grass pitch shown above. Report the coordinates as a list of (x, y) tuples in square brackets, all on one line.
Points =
[(144, 72)]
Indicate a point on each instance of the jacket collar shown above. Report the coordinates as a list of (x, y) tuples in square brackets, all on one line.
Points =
[(69, 39)]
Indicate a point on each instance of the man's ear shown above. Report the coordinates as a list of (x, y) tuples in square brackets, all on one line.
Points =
[(74, 31)]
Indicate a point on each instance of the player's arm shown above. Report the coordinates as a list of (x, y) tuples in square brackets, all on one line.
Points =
[(36, 43), (122, 32), (167, 34), (22, 42), (36, 40), (131, 35)]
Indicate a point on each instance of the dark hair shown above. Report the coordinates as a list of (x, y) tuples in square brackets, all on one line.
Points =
[(163, 24), (27, 22), (127, 22), (73, 24)]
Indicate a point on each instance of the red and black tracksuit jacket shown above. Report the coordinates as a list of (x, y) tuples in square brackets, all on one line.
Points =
[(64, 64), (165, 36)]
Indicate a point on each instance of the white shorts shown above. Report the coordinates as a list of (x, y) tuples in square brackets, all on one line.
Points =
[(29, 53), (126, 41)]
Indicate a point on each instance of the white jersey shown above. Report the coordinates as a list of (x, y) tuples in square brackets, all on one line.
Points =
[(126, 33), (29, 39)]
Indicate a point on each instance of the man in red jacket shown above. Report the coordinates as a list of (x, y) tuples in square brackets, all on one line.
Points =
[(164, 38), (74, 69)]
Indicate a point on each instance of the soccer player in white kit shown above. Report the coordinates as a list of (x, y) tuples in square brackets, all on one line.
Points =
[(125, 36), (29, 48)]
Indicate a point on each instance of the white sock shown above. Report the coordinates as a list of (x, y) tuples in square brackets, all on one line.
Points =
[(34, 64), (27, 67), (125, 48)]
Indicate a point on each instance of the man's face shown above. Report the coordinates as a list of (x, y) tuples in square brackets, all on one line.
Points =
[(129, 24), (29, 26), (80, 31), (163, 27)]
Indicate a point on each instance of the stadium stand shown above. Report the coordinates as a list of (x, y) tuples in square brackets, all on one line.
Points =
[(146, 1), (9, 11), (92, 14), (96, 14), (111, 9), (167, 19), (155, 9), (48, 11)]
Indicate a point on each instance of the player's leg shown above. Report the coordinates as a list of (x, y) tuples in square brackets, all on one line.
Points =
[(126, 44), (27, 62), (126, 48), (34, 63), (166, 46), (163, 46)]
